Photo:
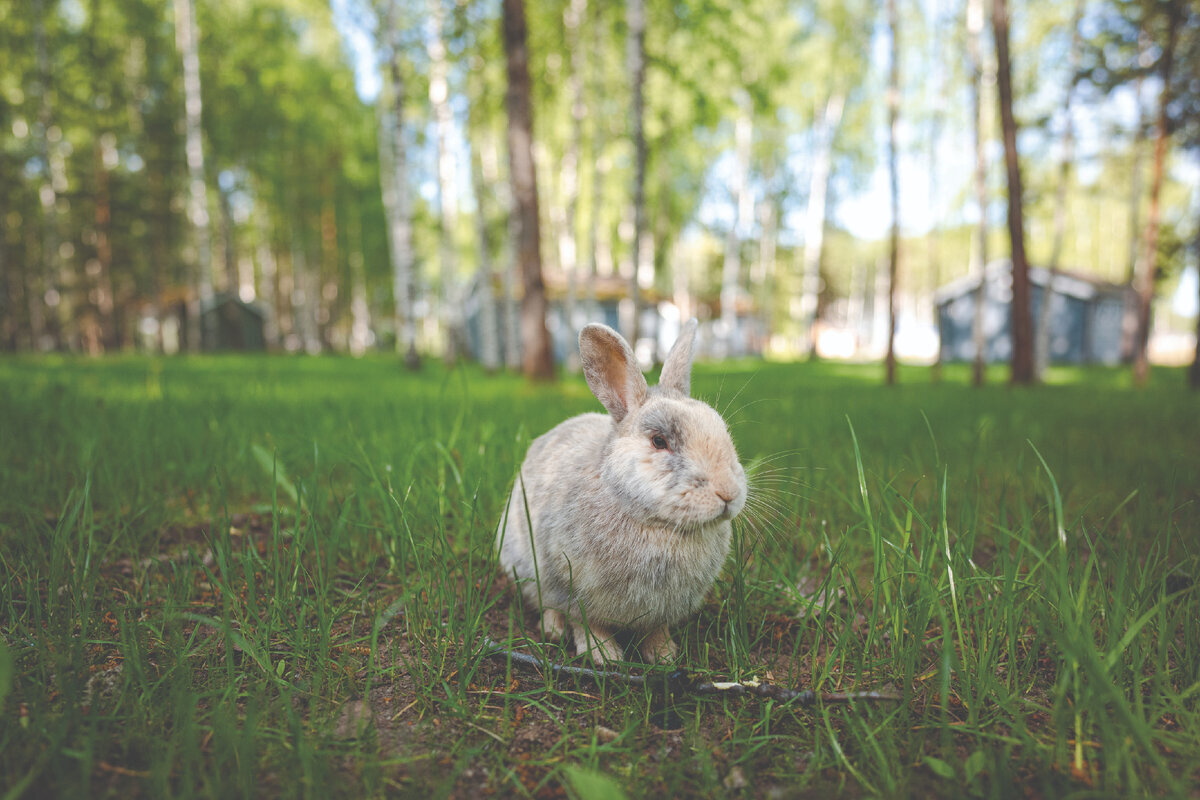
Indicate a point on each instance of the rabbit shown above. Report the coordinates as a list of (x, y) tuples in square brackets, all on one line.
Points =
[(631, 511)]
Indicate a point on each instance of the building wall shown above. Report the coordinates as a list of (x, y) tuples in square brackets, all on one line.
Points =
[(1082, 331)]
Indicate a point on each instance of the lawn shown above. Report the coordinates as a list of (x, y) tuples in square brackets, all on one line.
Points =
[(250, 576)]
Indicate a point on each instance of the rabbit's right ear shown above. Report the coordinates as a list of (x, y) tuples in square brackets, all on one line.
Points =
[(611, 370)]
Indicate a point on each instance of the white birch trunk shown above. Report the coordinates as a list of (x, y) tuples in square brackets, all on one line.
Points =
[(490, 156), (1129, 320), (642, 267), (568, 236), (824, 132), (975, 17), (267, 276), (489, 339), (599, 171), (893, 104), (187, 38), (360, 305), (743, 208), (41, 283), (764, 274), (447, 167), (396, 198)]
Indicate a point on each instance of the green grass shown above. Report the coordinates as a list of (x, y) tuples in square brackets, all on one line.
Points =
[(268, 576)]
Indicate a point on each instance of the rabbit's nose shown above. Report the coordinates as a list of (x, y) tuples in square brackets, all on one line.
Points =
[(725, 494)]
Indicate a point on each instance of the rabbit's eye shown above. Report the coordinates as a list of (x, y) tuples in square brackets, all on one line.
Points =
[(658, 441)]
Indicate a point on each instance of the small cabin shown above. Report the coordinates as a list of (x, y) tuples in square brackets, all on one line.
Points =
[(1085, 315), (229, 323)]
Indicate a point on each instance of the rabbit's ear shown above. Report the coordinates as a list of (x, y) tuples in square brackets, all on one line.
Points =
[(611, 370), (677, 369)]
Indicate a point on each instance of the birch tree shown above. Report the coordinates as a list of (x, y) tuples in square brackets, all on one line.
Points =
[(568, 228), (893, 104), (642, 262), (41, 282), (979, 255), (439, 98), (397, 201), (739, 188), (187, 39)]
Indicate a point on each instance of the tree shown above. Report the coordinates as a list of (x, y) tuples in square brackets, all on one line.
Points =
[(827, 100), (975, 17), (396, 198), (635, 11), (893, 104), (740, 189), (537, 359), (1173, 14), (188, 41), (1041, 350), (439, 97), (1022, 320), (568, 223)]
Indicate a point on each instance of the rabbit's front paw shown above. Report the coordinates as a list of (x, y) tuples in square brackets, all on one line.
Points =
[(554, 625), (600, 642), (658, 646)]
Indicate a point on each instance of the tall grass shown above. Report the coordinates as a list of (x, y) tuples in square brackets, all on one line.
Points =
[(271, 576)]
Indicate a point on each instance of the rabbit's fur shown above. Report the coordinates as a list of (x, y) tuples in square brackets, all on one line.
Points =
[(627, 534)]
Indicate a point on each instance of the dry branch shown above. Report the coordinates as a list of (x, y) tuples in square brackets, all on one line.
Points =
[(681, 682)]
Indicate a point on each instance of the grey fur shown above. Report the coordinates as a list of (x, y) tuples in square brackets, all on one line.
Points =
[(624, 536)]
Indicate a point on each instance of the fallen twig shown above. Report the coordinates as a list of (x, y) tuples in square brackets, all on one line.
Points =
[(680, 681)]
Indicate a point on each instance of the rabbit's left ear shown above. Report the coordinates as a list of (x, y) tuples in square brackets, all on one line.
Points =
[(677, 369), (611, 370)]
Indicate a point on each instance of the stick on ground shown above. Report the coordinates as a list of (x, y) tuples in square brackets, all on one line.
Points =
[(681, 682)]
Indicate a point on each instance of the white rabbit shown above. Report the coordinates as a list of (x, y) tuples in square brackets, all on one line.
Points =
[(630, 511)]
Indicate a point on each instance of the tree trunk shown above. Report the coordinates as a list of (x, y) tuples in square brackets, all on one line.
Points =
[(1022, 321), (537, 360), (1148, 269), (568, 233), (893, 103), (305, 293), (439, 98), (938, 90), (229, 256), (824, 131), (511, 274), (764, 277), (397, 200), (740, 190), (1194, 370), (979, 250), (1041, 350), (105, 153), (267, 276), (325, 276), (360, 306), (41, 284), (635, 52), (1129, 319), (187, 39), (489, 339), (599, 167)]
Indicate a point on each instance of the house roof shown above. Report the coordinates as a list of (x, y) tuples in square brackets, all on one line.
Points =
[(224, 298), (1072, 283)]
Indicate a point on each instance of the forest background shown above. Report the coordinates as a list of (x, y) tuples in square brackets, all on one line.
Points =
[(355, 170)]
